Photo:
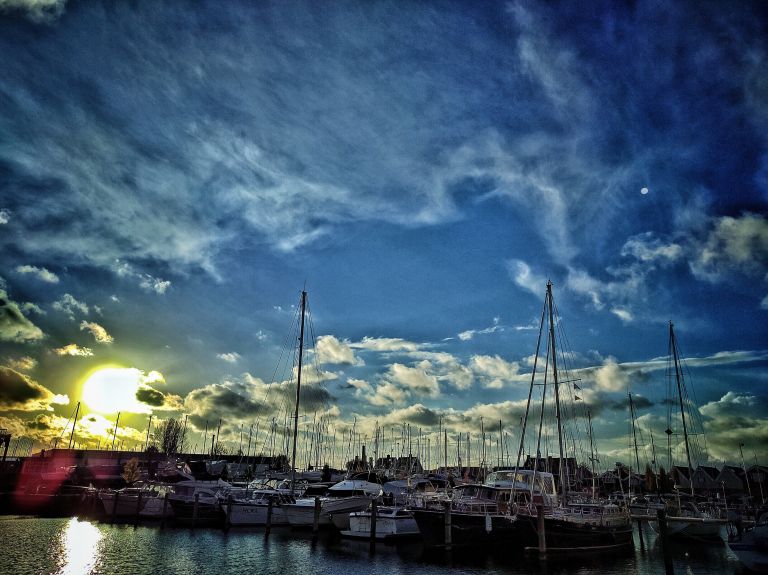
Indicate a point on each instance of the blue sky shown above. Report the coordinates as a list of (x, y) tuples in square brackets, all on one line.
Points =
[(172, 176)]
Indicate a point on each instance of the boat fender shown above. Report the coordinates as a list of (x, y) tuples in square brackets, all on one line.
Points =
[(488, 523)]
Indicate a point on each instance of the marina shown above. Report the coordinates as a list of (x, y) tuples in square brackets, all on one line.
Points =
[(383, 287)]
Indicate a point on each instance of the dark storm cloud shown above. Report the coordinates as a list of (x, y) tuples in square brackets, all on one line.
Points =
[(250, 398), (20, 392), (150, 396), (14, 326)]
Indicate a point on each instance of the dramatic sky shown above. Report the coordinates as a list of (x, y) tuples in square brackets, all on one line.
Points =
[(173, 174)]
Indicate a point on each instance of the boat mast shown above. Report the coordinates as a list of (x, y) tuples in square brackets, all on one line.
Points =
[(114, 434), (563, 486), (74, 424), (678, 378), (298, 388), (591, 451), (634, 433)]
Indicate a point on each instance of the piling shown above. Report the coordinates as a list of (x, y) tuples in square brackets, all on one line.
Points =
[(640, 531), (542, 532), (661, 516), (374, 514), (316, 522), (137, 511), (194, 509), (228, 521), (114, 505), (269, 517), (447, 521), (165, 509)]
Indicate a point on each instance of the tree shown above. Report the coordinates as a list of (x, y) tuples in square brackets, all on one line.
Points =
[(650, 479), (131, 473), (663, 484), (171, 433)]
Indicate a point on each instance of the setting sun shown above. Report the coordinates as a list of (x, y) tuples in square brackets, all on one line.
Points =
[(113, 389)]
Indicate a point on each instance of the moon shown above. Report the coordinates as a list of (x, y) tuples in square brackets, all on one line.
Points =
[(644, 191)]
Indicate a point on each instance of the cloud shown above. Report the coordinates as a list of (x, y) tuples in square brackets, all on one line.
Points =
[(25, 363), (493, 371), (147, 282), (37, 11), (19, 392), (331, 350), (73, 350), (158, 400), (647, 248), (386, 344), (623, 314), (247, 397), (360, 386), (735, 418), (415, 379), (68, 305), (417, 414), (388, 393), (471, 333), (157, 285), (98, 332), (733, 245), (29, 307), (42, 274), (523, 276), (14, 326), (229, 357)]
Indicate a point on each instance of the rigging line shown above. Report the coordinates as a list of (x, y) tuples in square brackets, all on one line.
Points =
[(283, 352)]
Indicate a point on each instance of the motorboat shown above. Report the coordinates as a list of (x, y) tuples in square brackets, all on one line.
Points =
[(342, 498), (392, 522)]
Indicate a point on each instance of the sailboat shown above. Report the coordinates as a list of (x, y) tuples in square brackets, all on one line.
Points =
[(570, 523), (684, 518)]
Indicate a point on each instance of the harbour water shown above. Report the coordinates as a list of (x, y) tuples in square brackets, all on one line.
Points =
[(40, 546)]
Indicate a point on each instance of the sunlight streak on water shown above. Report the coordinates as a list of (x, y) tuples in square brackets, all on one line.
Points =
[(79, 547)]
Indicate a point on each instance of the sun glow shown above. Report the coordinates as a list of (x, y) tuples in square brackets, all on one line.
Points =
[(113, 389)]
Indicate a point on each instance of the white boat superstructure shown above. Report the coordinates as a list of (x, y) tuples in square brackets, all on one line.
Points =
[(392, 522), (343, 498), (129, 501), (255, 509)]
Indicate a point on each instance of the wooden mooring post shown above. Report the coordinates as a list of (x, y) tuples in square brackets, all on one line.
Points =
[(640, 532), (541, 528), (447, 522), (194, 510), (372, 531), (114, 505), (165, 510), (228, 520), (137, 510), (661, 517), (268, 528), (316, 521)]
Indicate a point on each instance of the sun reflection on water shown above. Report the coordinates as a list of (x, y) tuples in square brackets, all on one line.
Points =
[(79, 547)]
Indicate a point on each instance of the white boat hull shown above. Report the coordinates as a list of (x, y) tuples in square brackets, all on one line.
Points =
[(245, 514), (303, 514), (387, 527)]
